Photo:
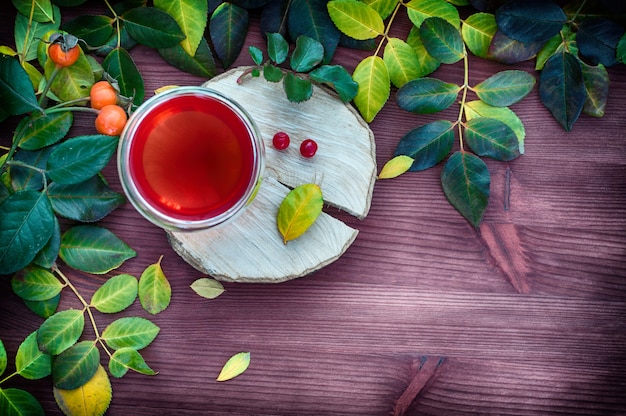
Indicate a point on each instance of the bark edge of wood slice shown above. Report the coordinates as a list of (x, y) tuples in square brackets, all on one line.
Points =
[(249, 248)]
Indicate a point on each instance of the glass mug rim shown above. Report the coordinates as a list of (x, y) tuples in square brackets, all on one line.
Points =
[(143, 205)]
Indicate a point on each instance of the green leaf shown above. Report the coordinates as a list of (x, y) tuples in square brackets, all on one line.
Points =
[(565, 41), (26, 224), (562, 88), (235, 366), (596, 80), (24, 176), (427, 95), (42, 9), (228, 28), (474, 109), (465, 180), (307, 54), (505, 88), (80, 158), (598, 39), (621, 49), (299, 210), (28, 38), (17, 402), (510, 51), (3, 358), (427, 145), (93, 249), (530, 20), (152, 27), (383, 7), (60, 331), (256, 54), (35, 283), (119, 39), (91, 399), (75, 366), (338, 79), (395, 167), (297, 89), (116, 294), (17, 95), (442, 40), (426, 63), (44, 130), (191, 16), (94, 30), (120, 66), (130, 332), (44, 308), (155, 291), (71, 82), (478, 31), (420, 10), (88, 201), (401, 61), (126, 359), (207, 288), (372, 76), (492, 138), (356, 19), (272, 73), (50, 252), (310, 18), (30, 362), (277, 48), (201, 64)]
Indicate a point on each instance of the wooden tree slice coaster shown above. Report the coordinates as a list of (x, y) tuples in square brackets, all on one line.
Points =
[(250, 248)]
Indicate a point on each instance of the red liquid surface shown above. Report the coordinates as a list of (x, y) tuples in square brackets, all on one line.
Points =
[(192, 157)]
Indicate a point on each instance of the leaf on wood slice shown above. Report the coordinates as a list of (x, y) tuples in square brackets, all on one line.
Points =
[(235, 366), (299, 210)]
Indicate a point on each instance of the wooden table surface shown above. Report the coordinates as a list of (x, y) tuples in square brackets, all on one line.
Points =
[(423, 315)]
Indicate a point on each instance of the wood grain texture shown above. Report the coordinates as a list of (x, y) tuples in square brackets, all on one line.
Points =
[(417, 285)]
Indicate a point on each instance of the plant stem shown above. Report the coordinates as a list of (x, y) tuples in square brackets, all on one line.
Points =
[(28, 28), (10, 376), (386, 33), (53, 75), (117, 22), (465, 87), (16, 139)]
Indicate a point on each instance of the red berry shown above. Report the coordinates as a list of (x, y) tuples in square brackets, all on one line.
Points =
[(308, 148), (281, 140)]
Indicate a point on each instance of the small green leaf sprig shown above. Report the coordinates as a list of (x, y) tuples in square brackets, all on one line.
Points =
[(304, 68)]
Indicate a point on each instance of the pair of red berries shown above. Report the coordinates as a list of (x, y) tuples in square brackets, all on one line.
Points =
[(281, 141)]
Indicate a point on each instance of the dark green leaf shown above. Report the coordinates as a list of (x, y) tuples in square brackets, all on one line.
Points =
[(307, 54), (44, 308), (88, 201), (116, 294), (338, 79), (228, 28), (155, 291), (621, 49), (597, 86), (442, 40), (75, 366), (273, 17), (17, 402), (120, 66), (35, 283), (201, 64), (272, 73), (296, 88), (562, 88), (277, 48), (427, 95), (3, 358), (256, 54), (17, 95), (50, 252), (563, 41), (530, 20), (30, 362), (465, 180), (121, 36), (93, 249), (24, 176), (152, 27), (510, 51), (60, 331), (126, 359), (250, 4), (505, 88), (492, 138), (310, 18), (598, 39), (479, 108), (426, 63), (427, 145), (42, 9), (26, 224), (80, 158), (93, 30), (44, 130), (130, 332)]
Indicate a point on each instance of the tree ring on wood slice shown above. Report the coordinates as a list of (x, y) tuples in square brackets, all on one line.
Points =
[(250, 248)]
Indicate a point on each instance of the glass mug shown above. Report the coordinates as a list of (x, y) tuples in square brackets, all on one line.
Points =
[(190, 158)]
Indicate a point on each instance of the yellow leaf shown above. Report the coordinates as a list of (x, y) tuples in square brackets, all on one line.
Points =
[(91, 399), (396, 167), (299, 210), (235, 365)]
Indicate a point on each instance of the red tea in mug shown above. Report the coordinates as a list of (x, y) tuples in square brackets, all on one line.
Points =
[(190, 158)]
